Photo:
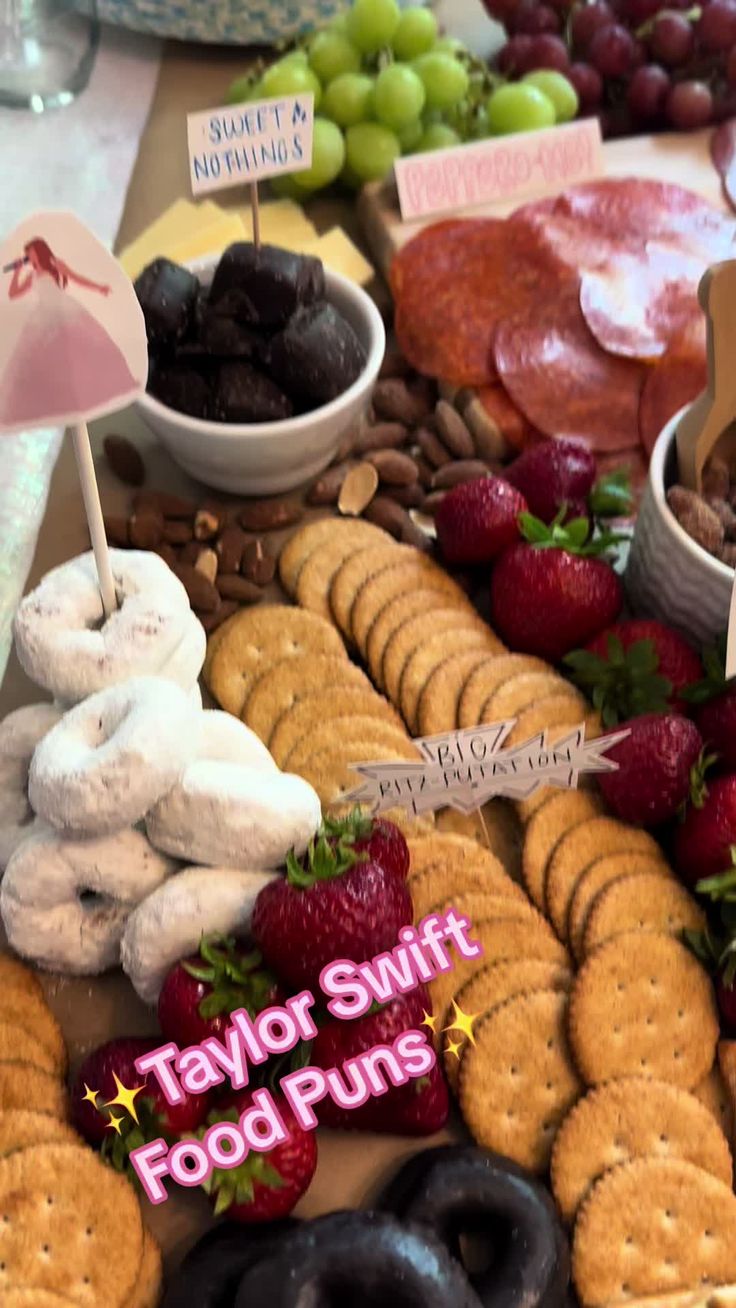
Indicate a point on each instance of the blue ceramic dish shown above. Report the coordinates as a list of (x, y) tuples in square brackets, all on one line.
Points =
[(237, 22)]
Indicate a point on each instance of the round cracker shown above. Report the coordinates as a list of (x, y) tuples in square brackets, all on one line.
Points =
[(397, 610), (24, 1086), (643, 901), (443, 880), (712, 1091), (63, 1214), (496, 827), (329, 772), (493, 986), (318, 705), (557, 815), (450, 850), (642, 1005), (521, 692), (18, 1045), (410, 636), (485, 681), (437, 707), (501, 940), (18, 1296), (479, 905), (20, 1128), (553, 711), (260, 637), (147, 1292), (355, 572), (651, 1226), (594, 879), (315, 575), (576, 850), (628, 1119), (14, 975), (284, 684), (518, 1081), (306, 539), (402, 576), (471, 633), (345, 728), (25, 1009)]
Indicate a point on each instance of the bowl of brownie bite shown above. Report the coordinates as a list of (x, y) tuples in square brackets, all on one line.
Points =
[(260, 361)]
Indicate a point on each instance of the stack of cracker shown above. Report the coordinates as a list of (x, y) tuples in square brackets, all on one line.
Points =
[(71, 1232)]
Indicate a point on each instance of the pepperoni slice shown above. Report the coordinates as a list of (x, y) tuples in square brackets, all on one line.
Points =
[(563, 382), (636, 305), (676, 380), (510, 421), (723, 154), (456, 281)]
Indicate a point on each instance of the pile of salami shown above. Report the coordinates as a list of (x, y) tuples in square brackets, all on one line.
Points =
[(577, 316)]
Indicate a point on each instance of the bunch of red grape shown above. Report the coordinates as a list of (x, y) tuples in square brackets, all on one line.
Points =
[(639, 64)]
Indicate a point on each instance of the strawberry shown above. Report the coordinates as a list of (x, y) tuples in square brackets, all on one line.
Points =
[(655, 762), (377, 838), (550, 593), (333, 904), (552, 475), (713, 702), (726, 1000), (266, 1186), (420, 1107), (636, 666), (477, 520), (705, 839), (200, 992), (156, 1116)]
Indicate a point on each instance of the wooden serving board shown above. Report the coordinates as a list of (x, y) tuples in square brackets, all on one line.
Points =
[(669, 157)]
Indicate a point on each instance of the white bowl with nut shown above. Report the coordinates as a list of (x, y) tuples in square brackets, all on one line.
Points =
[(673, 572), (208, 368)]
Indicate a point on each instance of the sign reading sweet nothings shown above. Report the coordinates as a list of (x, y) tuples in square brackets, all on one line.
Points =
[(246, 142), (464, 769)]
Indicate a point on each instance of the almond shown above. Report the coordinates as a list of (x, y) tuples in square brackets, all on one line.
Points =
[(177, 532), (411, 497), (382, 436), (230, 548), (270, 515), (393, 467), (425, 470), (432, 448), (488, 439), (190, 552), (327, 488), (393, 400), (455, 474), (394, 365), (432, 502), (211, 621), (124, 460), (167, 553), (233, 587), (453, 431), (202, 594), (256, 564), (207, 523), (146, 530), (207, 564), (358, 489), (395, 520), (170, 506), (116, 531)]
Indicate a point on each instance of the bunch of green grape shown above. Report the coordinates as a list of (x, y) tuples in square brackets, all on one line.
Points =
[(385, 83)]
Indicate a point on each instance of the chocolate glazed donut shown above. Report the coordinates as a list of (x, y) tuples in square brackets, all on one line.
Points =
[(457, 1190), (360, 1259), (212, 1270)]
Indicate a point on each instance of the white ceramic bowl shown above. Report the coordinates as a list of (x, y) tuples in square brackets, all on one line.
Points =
[(668, 575), (266, 458)]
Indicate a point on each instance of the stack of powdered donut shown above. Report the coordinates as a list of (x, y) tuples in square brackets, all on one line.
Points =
[(108, 791)]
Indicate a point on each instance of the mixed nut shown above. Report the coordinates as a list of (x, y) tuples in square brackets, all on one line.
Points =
[(710, 518)]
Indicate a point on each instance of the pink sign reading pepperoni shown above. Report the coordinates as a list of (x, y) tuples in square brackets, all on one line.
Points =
[(504, 168)]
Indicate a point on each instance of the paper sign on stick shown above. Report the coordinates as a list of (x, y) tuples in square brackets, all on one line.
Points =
[(464, 769), (247, 142), (502, 168)]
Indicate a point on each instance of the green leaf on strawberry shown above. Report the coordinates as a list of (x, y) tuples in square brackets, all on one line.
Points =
[(714, 682), (623, 685), (323, 861), (237, 980), (573, 537), (611, 496)]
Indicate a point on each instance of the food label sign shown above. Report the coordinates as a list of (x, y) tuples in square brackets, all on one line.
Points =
[(464, 769), (504, 168), (243, 143)]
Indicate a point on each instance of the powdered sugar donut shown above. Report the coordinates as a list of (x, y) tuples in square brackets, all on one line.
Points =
[(113, 756), (170, 923), (185, 664), (66, 645), (65, 902), (225, 739), (20, 732)]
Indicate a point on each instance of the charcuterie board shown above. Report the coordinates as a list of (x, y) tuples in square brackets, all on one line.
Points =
[(668, 157)]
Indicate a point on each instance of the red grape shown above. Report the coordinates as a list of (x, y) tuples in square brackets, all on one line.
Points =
[(647, 93), (638, 55), (671, 41), (549, 52), (589, 85), (531, 19), (716, 27), (689, 105), (611, 51), (515, 57), (586, 20), (731, 66), (638, 11), (725, 105)]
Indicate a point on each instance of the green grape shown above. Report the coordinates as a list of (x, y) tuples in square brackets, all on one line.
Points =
[(410, 136), (372, 23), (479, 127), (288, 77), (328, 157), (242, 89), (438, 136), (445, 80), (519, 108), (331, 54), (449, 45), (339, 23), (371, 151), (556, 87), (294, 57), (285, 187), (350, 178), (349, 99), (415, 34), (399, 97)]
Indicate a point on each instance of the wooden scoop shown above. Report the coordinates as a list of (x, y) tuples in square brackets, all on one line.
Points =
[(714, 411)]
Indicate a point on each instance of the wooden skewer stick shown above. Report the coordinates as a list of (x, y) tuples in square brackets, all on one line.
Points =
[(255, 210), (93, 510)]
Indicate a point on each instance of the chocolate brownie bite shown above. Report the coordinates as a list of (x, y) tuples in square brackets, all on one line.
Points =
[(317, 356), (168, 295), (265, 286), (243, 394)]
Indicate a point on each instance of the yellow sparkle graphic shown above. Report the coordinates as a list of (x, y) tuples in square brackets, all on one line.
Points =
[(453, 1048), (90, 1096), (115, 1123), (429, 1020), (125, 1098), (463, 1022)]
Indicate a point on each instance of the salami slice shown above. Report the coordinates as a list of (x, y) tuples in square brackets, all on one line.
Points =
[(561, 379), (676, 380), (637, 304), (508, 418), (456, 281), (723, 154)]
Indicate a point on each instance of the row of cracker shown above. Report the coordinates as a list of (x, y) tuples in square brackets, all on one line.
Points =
[(70, 1228)]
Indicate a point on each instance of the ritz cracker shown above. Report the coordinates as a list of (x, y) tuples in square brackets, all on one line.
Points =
[(351, 990)]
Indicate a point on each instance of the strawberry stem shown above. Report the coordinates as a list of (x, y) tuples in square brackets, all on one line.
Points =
[(573, 537), (325, 861)]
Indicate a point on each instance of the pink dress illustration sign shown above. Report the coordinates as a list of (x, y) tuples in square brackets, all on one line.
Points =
[(72, 337)]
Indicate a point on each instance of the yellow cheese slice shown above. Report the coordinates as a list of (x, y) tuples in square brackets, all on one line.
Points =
[(337, 251), (282, 223), (180, 222), (210, 240)]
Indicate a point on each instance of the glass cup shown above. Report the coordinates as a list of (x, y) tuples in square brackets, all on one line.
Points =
[(47, 49)]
